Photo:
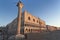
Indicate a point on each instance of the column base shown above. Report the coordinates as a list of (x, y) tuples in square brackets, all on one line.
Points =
[(16, 37)]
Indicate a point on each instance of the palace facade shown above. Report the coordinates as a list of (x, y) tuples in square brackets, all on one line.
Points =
[(24, 23), (29, 24)]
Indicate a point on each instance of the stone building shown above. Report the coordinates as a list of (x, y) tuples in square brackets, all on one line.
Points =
[(29, 24), (51, 28), (3, 33), (25, 23), (32, 23), (58, 28)]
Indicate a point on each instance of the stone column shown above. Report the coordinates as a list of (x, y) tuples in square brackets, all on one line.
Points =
[(20, 6), (18, 36)]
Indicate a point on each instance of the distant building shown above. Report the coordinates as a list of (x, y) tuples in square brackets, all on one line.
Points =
[(58, 28), (51, 28), (3, 33)]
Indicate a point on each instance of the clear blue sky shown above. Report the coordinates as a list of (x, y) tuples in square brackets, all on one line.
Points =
[(48, 10)]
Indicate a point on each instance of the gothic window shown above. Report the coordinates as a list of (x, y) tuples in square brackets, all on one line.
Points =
[(29, 30), (34, 20), (28, 18), (26, 29), (25, 24), (37, 21)]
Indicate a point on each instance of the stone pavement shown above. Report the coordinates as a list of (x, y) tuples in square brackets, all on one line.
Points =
[(55, 35)]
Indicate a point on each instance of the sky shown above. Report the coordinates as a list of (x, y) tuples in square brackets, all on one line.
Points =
[(47, 10)]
